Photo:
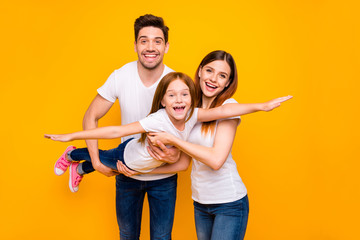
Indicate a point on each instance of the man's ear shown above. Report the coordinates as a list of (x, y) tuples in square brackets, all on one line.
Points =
[(167, 45), (135, 46)]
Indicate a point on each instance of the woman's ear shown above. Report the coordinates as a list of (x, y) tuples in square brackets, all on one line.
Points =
[(228, 83)]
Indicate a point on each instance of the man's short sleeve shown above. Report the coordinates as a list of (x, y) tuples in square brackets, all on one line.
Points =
[(108, 90)]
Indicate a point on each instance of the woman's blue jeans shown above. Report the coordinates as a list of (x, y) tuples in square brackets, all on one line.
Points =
[(225, 221), (107, 157)]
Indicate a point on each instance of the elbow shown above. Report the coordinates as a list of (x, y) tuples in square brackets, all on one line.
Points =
[(184, 168), (90, 120), (217, 163)]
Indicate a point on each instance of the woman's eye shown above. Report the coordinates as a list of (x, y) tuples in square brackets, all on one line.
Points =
[(208, 70)]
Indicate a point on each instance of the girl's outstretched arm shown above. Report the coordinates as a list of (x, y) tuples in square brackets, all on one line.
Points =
[(238, 109), (99, 133)]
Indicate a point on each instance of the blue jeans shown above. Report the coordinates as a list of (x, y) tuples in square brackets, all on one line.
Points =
[(130, 195), (225, 221), (107, 157)]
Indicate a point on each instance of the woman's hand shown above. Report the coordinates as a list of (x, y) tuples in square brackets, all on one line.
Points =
[(125, 170), (163, 137), (274, 103), (59, 137), (162, 153)]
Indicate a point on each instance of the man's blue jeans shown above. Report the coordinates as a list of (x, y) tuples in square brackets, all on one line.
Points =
[(225, 221), (130, 195)]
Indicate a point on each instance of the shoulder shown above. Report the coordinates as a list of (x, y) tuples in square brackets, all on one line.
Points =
[(167, 70), (131, 66), (230, 100)]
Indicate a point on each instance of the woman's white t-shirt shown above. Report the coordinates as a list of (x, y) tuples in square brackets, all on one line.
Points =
[(209, 186), (136, 155)]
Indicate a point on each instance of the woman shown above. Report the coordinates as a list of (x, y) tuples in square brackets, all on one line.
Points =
[(221, 204)]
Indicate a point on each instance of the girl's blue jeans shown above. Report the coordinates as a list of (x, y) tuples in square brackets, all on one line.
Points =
[(107, 157), (225, 221)]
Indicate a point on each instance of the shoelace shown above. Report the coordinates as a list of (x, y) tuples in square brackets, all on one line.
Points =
[(77, 180), (63, 163)]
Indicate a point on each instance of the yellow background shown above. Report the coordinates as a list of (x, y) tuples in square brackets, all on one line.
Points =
[(300, 163)]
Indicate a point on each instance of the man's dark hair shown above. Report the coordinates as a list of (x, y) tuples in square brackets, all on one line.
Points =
[(150, 20)]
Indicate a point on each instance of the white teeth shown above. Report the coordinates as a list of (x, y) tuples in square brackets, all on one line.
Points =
[(209, 85), (150, 55)]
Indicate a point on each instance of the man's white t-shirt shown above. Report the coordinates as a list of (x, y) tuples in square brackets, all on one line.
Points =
[(135, 100), (209, 186), (136, 155)]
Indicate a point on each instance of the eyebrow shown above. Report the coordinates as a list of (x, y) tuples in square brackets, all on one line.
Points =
[(220, 72), (148, 37), (174, 90)]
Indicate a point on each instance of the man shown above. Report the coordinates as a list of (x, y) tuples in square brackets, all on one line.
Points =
[(134, 85)]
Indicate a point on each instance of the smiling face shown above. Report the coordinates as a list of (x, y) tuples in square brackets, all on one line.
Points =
[(177, 101), (214, 78), (151, 47)]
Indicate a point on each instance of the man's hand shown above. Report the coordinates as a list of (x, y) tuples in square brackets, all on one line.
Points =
[(125, 170), (162, 153), (108, 172)]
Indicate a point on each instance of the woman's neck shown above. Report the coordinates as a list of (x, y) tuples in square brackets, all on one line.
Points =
[(206, 102)]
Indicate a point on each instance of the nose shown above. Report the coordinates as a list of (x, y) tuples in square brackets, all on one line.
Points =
[(178, 98), (150, 46), (212, 77)]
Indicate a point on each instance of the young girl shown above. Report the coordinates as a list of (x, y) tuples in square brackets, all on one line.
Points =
[(173, 111)]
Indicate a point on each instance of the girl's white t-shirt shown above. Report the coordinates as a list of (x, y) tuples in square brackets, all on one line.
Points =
[(209, 186), (135, 100), (136, 155)]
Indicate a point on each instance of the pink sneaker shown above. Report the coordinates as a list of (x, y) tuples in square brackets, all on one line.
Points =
[(62, 164), (75, 178)]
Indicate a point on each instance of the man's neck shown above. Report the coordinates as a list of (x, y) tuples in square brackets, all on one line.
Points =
[(149, 76)]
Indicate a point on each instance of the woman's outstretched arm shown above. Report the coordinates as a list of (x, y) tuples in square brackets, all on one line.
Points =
[(214, 156), (238, 109), (99, 133)]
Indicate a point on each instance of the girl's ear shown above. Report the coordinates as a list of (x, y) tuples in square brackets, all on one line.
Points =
[(162, 103)]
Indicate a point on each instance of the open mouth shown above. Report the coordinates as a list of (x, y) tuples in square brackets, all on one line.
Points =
[(210, 85), (150, 56), (179, 109)]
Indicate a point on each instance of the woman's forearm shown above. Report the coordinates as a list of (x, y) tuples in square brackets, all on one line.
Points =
[(181, 165)]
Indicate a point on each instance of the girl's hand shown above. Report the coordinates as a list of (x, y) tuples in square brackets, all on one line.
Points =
[(270, 105), (163, 137), (59, 137), (125, 170)]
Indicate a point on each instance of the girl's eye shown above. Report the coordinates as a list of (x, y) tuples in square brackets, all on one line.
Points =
[(185, 94), (222, 76), (208, 70)]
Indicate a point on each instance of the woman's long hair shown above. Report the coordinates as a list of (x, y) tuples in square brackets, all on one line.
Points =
[(228, 91), (161, 90)]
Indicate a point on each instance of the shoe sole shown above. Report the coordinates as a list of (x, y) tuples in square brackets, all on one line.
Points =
[(69, 148), (70, 185)]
